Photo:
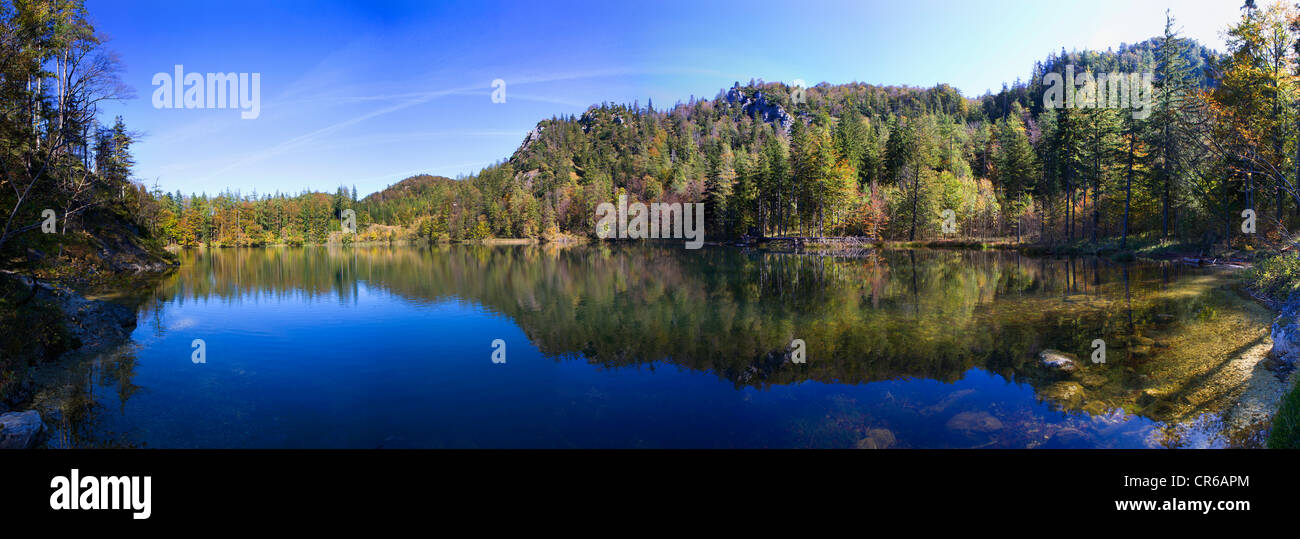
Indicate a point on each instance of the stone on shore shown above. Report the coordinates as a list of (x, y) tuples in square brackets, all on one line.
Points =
[(1286, 332)]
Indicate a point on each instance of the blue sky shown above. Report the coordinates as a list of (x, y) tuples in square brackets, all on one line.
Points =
[(366, 93)]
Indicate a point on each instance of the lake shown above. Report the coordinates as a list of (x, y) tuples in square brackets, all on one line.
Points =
[(646, 346)]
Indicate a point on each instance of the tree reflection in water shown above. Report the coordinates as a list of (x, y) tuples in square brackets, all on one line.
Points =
[(885, 315)]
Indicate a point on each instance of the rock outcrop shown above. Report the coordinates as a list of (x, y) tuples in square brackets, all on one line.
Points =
[(532, 136), (1286, 332), (88, 326), (759, 105), (90, 321)]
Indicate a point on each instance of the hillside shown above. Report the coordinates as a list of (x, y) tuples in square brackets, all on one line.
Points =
[(854, 159), (849, 159), (415, 186)]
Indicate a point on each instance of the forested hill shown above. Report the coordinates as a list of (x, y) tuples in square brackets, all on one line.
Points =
[(847, 159), (423, 185), (852, 159)]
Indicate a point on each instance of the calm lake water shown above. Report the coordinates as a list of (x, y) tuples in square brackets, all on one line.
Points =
[(647, 346)]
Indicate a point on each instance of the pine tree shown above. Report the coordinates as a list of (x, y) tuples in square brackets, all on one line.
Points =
[(718, 188), (1014, 163), (1174, 80)]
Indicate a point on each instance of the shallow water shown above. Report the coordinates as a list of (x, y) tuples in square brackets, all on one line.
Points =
[(647, 346)]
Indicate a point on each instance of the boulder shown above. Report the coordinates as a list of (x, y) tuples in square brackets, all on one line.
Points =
[(1286, 331), (18, 430), (1058, 361)]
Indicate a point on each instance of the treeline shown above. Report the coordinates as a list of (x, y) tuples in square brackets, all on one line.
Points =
[(234, 219)]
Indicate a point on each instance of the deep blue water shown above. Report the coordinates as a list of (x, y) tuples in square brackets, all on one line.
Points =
[(626, 347)]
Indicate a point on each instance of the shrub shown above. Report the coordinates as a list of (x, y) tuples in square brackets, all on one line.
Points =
[(1286, 424), (1275, 277)]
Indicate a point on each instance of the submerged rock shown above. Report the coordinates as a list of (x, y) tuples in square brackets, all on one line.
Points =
[(1068, 438), (974, 422), (947, 401), (18, 430), (1149, 396), (1058, 361), (877, 439), (1096, 408), (1093, 381), (1067, 394)]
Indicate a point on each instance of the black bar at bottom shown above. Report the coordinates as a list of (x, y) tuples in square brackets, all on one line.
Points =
[(327, 486)]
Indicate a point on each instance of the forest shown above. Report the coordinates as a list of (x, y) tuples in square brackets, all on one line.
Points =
[(767, 159)]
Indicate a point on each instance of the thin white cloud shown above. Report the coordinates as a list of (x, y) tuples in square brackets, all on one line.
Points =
[(408, 100)]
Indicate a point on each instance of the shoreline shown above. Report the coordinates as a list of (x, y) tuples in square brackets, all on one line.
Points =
[(88, 325)]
